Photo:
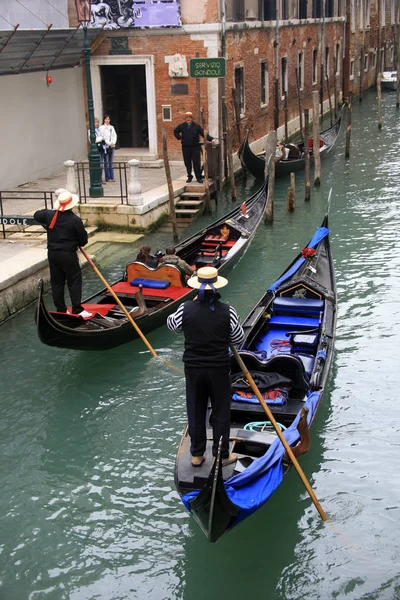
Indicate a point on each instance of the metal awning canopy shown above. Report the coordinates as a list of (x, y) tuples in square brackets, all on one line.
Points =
[(32, 50)]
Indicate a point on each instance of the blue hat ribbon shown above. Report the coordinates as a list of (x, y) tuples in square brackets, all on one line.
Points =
[(202, 290)]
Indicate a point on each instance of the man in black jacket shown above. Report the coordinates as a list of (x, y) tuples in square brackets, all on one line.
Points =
[(65, 233), (209, 326), (189, 132)]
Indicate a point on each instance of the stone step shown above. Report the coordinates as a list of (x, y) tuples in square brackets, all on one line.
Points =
[(195, 187), (189, 195), (186, 211), (182, 203)]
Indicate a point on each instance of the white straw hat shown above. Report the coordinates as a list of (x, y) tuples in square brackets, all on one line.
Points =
[(208, 276), (66, 201)]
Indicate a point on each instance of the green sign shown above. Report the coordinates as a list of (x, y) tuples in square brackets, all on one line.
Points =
[(18, 220), (207, 67)]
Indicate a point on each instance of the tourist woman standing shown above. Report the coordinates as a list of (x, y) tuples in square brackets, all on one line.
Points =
[(109, 135)]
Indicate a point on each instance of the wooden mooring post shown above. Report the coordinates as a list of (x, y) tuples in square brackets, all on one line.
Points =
[(270, 171), (229, 146), (379, 87), (170, 187), (398, 68), (291, 199), (317, 156), (348, 128), (307, 194), (207, 199)]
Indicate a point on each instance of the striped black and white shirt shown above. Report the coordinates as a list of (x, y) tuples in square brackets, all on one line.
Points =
[(236, 333)]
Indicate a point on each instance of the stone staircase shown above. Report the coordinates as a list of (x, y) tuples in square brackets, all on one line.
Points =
[(190, 205)]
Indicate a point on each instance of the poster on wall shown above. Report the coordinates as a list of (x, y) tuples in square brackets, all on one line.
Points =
[(124, 14)]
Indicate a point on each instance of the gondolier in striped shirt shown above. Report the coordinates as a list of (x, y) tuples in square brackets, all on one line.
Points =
[(209, 327)]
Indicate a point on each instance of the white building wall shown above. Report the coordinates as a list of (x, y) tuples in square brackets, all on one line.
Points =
[(33, 14), (41, 126)]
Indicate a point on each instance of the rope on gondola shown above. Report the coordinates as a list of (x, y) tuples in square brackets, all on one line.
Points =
[(262, 426)]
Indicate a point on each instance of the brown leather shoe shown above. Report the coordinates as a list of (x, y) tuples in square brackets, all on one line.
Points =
[(231, 459), (197, 461)]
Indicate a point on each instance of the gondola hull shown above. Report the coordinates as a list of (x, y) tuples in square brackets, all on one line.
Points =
[(289, 340), (109, 327), (256, 163)]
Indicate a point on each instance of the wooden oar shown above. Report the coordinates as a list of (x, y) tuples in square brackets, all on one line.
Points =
[(279, 433), (118, 301)]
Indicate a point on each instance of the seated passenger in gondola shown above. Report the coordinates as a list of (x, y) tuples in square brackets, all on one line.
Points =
[(146, 257), (281, 153), (173, 259)]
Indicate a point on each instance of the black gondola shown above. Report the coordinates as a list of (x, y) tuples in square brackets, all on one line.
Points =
[(151, 294), (255, 163), (288, 348)]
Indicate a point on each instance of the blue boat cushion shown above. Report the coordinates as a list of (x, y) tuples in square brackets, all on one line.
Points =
[(311, 306), (274, 342), (157, 284), (293, 322)]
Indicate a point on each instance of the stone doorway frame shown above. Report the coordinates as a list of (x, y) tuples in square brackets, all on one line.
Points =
[(131, 60)]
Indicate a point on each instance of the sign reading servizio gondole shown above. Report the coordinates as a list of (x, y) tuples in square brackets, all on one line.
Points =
[(18, 220), (207, 67), (128, 14)]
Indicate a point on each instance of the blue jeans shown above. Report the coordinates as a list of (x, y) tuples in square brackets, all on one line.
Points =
[(109, 164)]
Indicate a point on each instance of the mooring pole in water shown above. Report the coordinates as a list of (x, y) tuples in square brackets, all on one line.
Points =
[(172, 213), (207, 200), (270, 171), (307, 195), (291, 193), (317, 157), (379, 87), (229, 145), (348, 128), (398, 68)]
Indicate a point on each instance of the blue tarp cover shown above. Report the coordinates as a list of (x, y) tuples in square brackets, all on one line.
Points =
[(318, 236), (251, 489)]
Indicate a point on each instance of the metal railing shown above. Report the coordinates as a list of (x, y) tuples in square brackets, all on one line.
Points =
[(16, 209), (117, 189)]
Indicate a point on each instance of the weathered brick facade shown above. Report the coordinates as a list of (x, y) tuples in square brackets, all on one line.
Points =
[(250, 45)]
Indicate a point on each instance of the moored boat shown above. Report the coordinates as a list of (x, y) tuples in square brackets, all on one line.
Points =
[(288, 349), (151, 294), (255, 163), (389, 80)]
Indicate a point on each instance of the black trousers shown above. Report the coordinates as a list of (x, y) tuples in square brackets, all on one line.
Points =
[(202, 384), (191, 155), (64, 266)]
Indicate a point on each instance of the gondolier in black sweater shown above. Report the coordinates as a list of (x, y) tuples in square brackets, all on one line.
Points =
[(189, 132), (65, 233), (209, 327)]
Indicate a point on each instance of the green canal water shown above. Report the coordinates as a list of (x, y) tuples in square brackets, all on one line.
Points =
[(88, 508)]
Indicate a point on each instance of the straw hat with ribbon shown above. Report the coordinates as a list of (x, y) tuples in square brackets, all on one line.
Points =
[(65, 201), (207, 278)]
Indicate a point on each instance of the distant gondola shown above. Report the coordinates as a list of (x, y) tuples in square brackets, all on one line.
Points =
[(255, 163), (151, 294), (288, 348)]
